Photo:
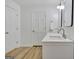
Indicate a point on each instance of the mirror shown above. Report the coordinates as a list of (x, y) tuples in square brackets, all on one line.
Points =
[(65, 13), (68, 13)]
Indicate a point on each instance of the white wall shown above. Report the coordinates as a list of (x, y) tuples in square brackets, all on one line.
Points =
[(26, 38), (12, 25)]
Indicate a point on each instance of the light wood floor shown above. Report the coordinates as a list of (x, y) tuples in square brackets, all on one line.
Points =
[(26, 53)]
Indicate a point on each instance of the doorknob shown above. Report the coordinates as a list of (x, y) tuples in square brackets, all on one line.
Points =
[(33, 30), (6, 32)]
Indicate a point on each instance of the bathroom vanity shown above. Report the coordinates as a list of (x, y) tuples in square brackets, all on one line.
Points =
[(57, 47)]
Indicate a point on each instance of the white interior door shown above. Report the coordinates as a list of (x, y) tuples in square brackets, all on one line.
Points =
[(38, 26), (11, 32)]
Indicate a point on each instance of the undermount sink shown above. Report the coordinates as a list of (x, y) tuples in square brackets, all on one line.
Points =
[(55, 37)]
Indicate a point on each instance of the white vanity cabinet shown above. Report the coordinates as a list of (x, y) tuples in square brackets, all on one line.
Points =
[(57, 51), (57, 48)]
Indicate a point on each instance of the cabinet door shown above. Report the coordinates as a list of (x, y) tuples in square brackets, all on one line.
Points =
[(57, 51)]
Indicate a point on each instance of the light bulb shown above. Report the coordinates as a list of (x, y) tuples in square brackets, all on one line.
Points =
[(60, 7)]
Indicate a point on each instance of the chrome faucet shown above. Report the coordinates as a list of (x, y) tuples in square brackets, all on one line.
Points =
[(62, 31)]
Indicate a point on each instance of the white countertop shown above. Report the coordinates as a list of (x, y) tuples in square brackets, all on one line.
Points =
[(47, 38)]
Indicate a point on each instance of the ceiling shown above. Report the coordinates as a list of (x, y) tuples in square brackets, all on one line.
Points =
[(37, 2)]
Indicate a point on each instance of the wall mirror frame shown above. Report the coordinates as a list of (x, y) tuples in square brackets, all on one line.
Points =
[(72, 13), (69, 13), (66, 13)]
